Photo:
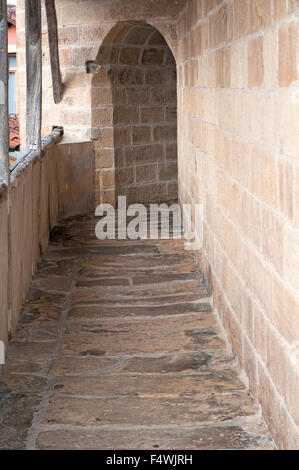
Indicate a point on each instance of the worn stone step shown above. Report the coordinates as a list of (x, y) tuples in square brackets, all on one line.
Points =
[(89, 240), (187, 288), (91, 297), (166, 364), (138, 280), (132, 262), (240, 436), (137, 411), (117, 250), (104, 282), (97, 271), (148, 386), (145, 342), (153, 288), (98, 312), (167, 324), (164, 277)]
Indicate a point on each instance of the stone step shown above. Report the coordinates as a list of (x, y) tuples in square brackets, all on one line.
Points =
[(137, 411), (239, 436), (141, 343)]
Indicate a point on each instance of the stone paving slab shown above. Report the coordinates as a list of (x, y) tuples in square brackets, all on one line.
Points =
[(100, 312), (147, 284), (90, 271), (230, 437), (186, 288), (118, 347), (138, 411), (96, 298), (97, 263), (157, 277), (32, 348), (140, 343), (145, 324), (82, 366), (41, 298), (90, 241), (114, 251), (23, 384), (55, 268), (39, 329), (20, 364), (156, 385), (104, 282), (40, 313), (16, 415), (183, 363), (179, 362), (53, 283)]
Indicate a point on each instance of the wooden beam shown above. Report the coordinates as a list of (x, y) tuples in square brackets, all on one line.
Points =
[(4, 127), (54, 51), (33, 73)]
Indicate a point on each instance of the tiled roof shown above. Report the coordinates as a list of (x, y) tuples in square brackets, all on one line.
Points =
[(14, 132), (11, 14)]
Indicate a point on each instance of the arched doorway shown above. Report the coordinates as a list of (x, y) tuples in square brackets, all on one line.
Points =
[(134, 106)]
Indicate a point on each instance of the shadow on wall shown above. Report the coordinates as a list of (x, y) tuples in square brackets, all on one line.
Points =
[(134, 106)]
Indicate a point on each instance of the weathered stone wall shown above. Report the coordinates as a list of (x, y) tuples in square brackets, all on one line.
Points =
[(134, 92), (41, 191), (238, 156), (92, 103), (34, 211), (75, 178)]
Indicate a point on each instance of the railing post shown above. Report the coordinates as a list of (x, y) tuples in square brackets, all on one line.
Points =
[(33, 73), (4, 128), (54, 53)]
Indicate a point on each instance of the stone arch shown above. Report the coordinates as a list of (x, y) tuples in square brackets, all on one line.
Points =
[(134, 108)]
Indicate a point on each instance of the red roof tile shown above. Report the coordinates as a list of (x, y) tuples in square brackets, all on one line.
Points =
[(11, 14), (14, 132)]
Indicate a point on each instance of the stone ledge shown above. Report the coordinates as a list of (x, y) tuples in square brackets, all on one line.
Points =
[(18, 168)]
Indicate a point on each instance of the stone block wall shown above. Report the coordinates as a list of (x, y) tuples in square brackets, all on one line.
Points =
[(134, 93), (56, 184), (33, 212), (102, 107), (238, 109)]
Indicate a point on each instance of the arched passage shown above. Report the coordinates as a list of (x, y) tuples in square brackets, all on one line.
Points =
[(134, 105)]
